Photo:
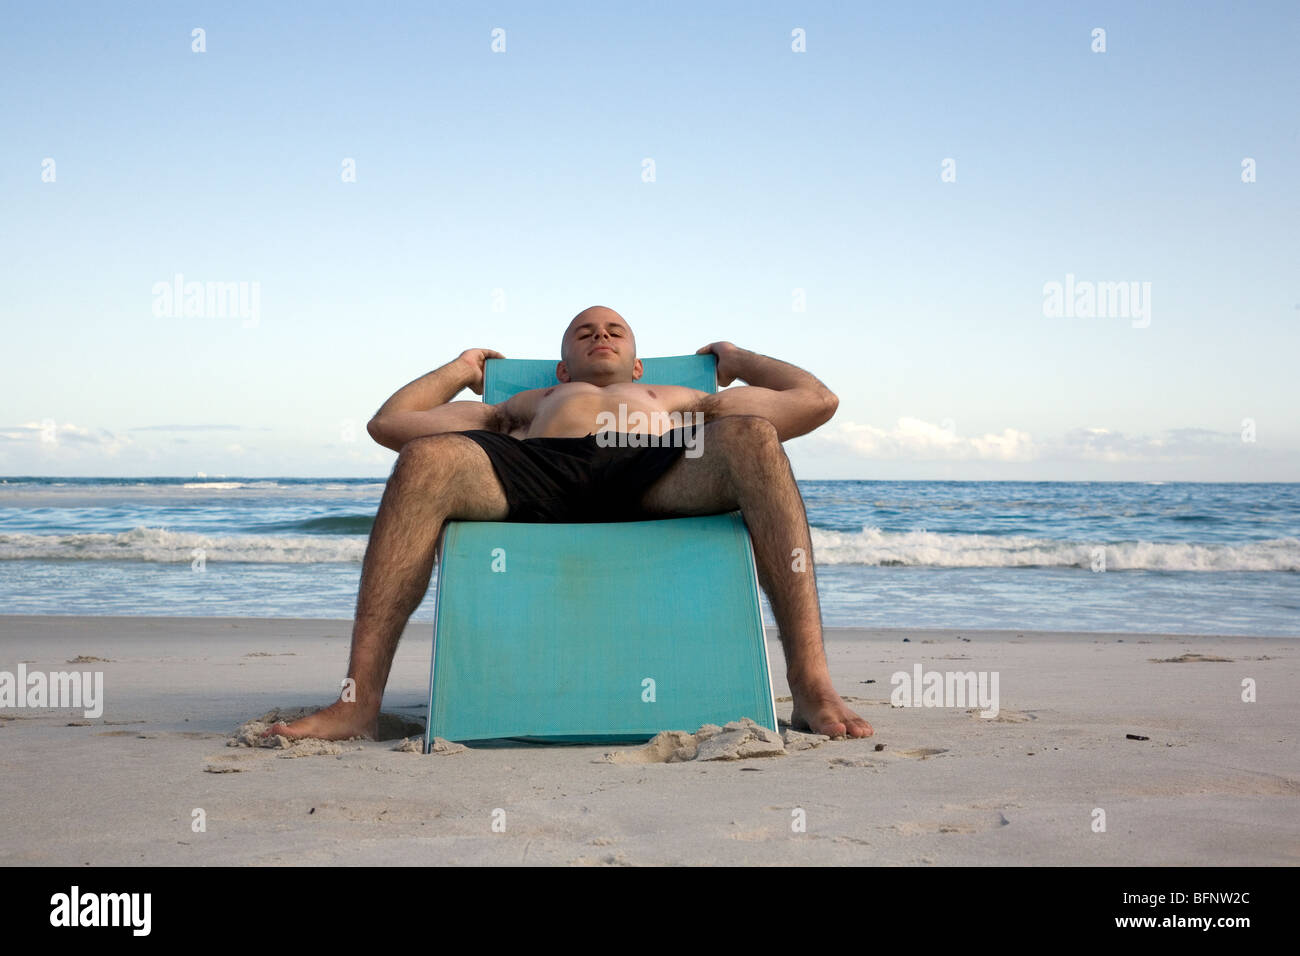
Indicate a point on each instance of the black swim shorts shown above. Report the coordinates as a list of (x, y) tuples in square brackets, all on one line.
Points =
[(578, 479)]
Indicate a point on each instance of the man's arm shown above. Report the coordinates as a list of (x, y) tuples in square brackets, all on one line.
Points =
[(793, 400), (424, 406)]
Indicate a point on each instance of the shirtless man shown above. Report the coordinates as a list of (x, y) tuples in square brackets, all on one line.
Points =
[(453, 457)]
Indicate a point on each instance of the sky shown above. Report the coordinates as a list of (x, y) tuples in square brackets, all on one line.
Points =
[(882, 194)]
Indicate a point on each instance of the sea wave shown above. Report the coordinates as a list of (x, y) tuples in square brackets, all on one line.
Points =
[(873, 547), (175, 547), (325, 524), (229, 485), (868, 547)]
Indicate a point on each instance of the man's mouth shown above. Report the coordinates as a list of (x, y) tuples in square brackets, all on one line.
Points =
[(601, 348)]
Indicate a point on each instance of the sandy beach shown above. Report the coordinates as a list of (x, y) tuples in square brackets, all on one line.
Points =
[(1215, 782)]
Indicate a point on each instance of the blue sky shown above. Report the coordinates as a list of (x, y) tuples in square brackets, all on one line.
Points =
[(775, 170)]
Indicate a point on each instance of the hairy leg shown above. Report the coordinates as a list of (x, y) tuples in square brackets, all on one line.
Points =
[(744, 466), (436, 478)]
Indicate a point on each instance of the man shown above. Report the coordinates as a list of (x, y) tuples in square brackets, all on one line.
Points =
[(538, 457)]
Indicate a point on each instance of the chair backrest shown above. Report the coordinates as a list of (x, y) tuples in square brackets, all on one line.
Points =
[(504, 377)]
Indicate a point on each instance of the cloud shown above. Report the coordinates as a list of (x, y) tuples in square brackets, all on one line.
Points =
[(913, 439), (187, 428), (1102, 444), (51, 434)]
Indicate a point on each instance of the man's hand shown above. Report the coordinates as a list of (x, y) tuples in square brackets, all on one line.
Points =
[(477, 360), (726, 353), (790, 398), (425, 406)]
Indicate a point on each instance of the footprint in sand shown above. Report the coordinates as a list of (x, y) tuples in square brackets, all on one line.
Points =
[(612, 859), (224, 763), (963, 823), (1005, 716), (963, 819), (919, 827), (866, 762), (921, 753), (917, 753), (761, 835)]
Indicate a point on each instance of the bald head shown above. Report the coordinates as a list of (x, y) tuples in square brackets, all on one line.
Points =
[(598, 347)]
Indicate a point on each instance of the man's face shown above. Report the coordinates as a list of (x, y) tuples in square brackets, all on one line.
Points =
[(598, 348)]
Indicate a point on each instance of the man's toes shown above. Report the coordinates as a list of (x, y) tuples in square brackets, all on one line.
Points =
[(286, 730), (860, 728), (832, 728)]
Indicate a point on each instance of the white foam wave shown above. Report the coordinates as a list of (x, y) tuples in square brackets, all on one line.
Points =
[(874, 547), (177, 547), (869, 547), (229, 485)]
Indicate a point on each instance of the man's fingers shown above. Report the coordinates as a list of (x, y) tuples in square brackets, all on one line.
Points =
[(717, 363)]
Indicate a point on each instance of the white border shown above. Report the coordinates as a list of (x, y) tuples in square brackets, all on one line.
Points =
[(433, 656), (758, 606)]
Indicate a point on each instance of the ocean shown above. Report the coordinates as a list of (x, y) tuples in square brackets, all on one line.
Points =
[(1173, 557)]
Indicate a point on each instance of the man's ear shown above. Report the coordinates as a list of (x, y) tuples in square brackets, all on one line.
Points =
[(637, 370), (562, 373)]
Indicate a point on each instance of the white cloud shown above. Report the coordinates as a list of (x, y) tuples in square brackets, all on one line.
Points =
[(916, 440), (913, 439), (1102, 444), (51, 435)]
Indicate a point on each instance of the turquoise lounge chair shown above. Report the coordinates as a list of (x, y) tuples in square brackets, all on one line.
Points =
[(596, 633)]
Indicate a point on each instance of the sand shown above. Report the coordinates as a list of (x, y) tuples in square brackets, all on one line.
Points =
[(738, 740), (155, 780)]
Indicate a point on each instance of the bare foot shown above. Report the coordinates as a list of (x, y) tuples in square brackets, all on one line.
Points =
[(339, 721), (821, 710)]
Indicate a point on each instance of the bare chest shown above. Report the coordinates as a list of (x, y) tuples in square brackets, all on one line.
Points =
[(578, 409)]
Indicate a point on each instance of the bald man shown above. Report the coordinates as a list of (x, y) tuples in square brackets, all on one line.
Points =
[(548, 454)]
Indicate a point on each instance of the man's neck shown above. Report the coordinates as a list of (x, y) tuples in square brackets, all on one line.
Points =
[(602, 382)]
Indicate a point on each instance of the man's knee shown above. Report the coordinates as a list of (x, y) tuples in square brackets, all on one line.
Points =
[(748, 449), (745, 435), (435, 457), (458, 473)]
